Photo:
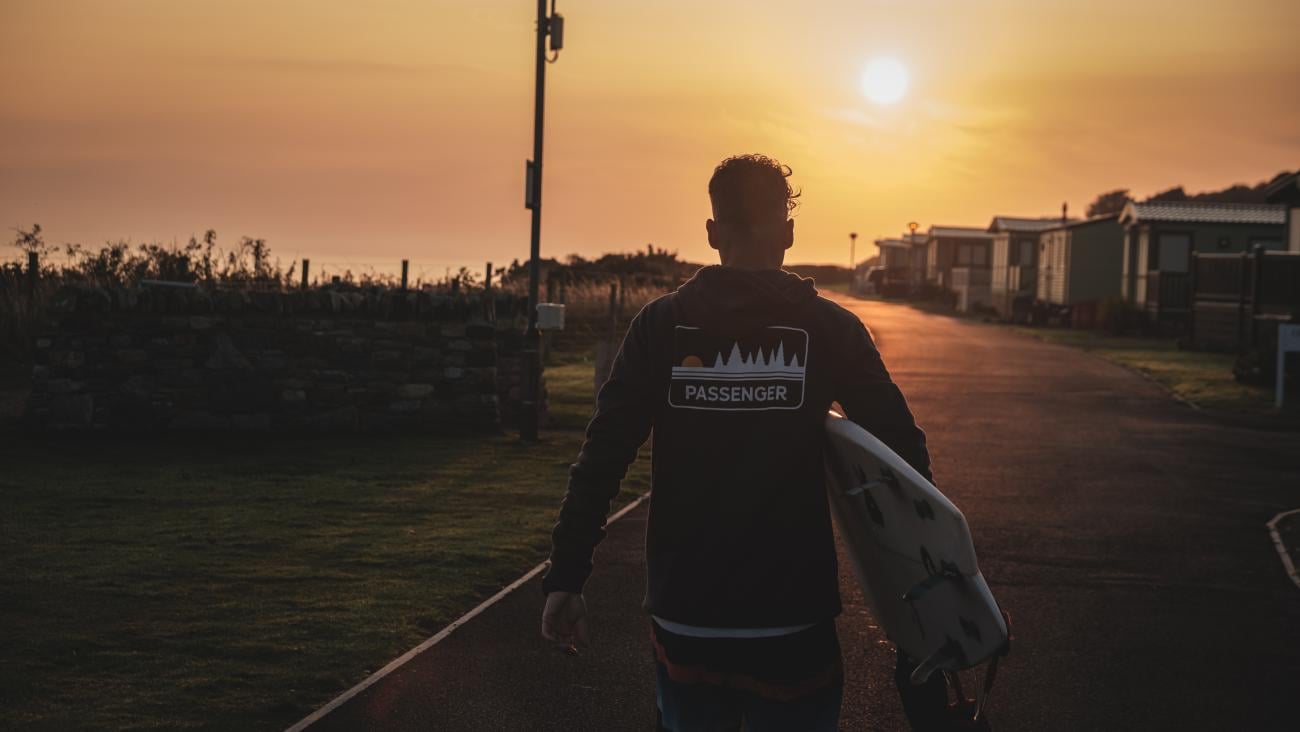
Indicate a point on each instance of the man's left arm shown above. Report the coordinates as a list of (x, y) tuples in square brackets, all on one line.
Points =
[(620, 425), (871, 399)]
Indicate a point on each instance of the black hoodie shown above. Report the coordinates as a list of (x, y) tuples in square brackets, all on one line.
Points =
[(734, 372)]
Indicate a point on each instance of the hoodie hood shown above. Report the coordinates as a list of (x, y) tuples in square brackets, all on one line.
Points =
[(719, 297)]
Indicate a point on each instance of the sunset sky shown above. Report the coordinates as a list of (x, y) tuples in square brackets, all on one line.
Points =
[(367, 132)]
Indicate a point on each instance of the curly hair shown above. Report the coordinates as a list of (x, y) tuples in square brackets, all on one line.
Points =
[(748, 188)]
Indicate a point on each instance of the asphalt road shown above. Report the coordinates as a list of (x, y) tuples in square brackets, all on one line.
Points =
[(1124, 532)]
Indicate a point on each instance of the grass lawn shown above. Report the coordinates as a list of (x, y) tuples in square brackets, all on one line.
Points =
[(840, 287), (239, 584), (570, 389), (1204, 379)]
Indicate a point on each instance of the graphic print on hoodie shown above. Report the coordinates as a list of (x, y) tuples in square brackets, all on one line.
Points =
[(761, 370)]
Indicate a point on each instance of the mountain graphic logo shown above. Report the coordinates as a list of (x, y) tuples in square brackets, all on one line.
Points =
[(760, 370), (757, 364)]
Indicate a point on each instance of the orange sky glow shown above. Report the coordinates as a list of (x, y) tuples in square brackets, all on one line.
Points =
[(367, 132)]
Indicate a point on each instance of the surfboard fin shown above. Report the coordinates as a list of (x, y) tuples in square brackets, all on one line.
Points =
[(950, 651), (947, 571)]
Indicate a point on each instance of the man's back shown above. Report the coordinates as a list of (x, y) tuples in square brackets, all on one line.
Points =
[(735, 372)]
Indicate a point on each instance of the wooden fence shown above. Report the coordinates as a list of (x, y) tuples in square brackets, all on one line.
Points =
[(1237, 300), (1169, 296)]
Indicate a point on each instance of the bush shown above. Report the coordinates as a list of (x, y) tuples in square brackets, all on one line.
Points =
[(23, 302), (1118, 316)]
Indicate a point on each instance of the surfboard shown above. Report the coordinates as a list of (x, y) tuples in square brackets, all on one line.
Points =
[(912, 553)]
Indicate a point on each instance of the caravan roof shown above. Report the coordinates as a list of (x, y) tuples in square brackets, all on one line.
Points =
[(1199, 212)]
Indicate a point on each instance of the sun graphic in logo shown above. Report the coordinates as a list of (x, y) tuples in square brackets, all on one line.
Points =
[(692, 362)]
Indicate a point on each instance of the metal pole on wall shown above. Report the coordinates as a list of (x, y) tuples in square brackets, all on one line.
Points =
[(853, 250), (33, 271), (529, 412)]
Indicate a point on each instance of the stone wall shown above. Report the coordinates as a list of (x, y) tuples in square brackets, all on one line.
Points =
[(157, 358)]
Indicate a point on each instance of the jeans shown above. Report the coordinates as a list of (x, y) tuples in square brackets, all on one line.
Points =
[(711, 708)]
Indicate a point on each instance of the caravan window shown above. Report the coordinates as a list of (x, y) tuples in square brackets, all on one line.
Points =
[(972, 255), (1172, 252), (1026, 253)]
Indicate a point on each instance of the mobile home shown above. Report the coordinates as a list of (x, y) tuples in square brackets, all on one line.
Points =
[(1079, 265), (917, 253), (955, 246), (1159, 238), (1013, 277), (1285, 191), (895, 257)]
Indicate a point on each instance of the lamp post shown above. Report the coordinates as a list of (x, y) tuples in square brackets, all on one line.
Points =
[(552, 26), (915, 273), (853, 246)]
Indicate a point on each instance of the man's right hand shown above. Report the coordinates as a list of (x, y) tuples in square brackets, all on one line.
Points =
[(564, 620)]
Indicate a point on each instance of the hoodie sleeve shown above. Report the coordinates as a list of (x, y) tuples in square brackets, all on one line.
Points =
[(872, 400), (620, 426)]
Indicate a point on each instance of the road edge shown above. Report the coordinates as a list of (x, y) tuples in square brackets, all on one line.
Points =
[(1280, 545), (438, 637)]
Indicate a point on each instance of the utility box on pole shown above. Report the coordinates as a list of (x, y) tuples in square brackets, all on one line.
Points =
[(530, 185)]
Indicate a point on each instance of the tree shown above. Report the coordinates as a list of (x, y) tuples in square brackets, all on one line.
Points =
[(1236, 193), (1110, 202), (1239, 193), (1173, 194), (31, 240)]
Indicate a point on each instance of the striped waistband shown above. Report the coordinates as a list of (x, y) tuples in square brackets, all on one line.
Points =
[(782, 667)]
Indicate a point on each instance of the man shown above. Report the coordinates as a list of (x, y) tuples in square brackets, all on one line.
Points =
[(734, 372)]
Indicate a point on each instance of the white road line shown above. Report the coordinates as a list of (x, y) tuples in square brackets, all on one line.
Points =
[(1281, 545), (438, 637)]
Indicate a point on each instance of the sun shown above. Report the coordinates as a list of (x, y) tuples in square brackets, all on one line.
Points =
[(884, 80)]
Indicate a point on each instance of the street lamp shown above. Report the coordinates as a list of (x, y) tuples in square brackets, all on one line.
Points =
[(552, 26), (915, 269), (853, 245)]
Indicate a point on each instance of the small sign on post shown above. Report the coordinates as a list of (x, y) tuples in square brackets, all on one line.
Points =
[(1288, 341), (530, 184)]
